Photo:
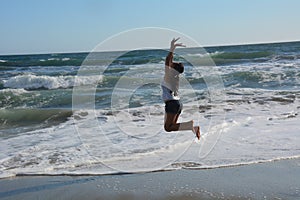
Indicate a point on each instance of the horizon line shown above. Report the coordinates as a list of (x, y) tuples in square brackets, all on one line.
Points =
[(205, 46)]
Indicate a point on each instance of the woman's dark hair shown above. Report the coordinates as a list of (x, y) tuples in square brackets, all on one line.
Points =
[(178, 67)]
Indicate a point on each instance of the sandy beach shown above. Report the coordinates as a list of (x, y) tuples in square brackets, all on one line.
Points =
[(271, 180)]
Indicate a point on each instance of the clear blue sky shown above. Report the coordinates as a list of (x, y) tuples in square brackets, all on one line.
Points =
[(41, 26)]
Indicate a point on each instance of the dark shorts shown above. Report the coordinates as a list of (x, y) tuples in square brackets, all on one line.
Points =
[(173, 106)]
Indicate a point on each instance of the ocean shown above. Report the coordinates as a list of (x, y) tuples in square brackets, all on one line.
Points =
[(63, 114)]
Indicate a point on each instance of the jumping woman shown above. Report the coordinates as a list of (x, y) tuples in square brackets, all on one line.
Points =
[(170, 87)]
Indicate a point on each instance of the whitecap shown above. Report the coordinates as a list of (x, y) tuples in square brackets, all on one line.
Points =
[(30, 81), (203, 54), (14, 91), (65, 59)]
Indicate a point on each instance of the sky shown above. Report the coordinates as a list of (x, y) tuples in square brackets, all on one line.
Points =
[(44, 26)]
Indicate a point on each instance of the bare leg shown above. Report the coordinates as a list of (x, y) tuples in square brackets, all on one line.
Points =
[(196, 130), (176, 118), (172, 125), (171, 122)]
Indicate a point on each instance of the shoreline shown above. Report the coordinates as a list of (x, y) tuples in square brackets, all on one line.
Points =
[(271, 180)]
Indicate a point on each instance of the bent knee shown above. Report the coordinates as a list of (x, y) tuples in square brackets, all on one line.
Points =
[(167, 128)]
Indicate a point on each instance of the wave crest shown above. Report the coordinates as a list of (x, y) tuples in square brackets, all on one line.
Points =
[(49, 82)]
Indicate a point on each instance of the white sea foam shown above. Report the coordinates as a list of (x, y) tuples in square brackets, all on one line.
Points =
[(201, 55), (30, 81), (53, 59), (13, 91), (65, 59), (250, 133)]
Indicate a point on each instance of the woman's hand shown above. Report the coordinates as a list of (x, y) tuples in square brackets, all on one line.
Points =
[(174, 44)]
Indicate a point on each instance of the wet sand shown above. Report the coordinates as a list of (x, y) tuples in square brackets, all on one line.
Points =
[(271, 180)]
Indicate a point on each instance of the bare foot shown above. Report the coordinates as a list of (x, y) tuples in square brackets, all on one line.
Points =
[(197, 131)]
